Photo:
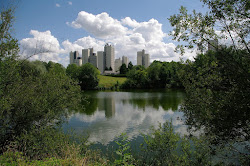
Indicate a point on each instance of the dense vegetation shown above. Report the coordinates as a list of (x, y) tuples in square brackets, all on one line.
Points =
[(157, 75), (86, 75), (217, 83), (34, 97)]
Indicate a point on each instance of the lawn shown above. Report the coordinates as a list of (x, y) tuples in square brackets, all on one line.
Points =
[(108, 81)]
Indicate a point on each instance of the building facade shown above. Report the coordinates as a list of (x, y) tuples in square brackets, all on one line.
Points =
[(118, 64), (101, 61), (85, 56), (93, 59), (109, 52), (143, 59), (74, 58), (125, 60)]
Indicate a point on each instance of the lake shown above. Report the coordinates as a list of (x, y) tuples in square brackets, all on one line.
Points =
[(108, 114)]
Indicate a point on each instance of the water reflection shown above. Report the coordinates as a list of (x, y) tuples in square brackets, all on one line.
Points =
[(108, 114)]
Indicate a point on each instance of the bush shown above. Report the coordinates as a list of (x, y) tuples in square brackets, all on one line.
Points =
[(164, 147)]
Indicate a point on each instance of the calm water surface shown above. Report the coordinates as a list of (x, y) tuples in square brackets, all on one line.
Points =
[(108, 114)]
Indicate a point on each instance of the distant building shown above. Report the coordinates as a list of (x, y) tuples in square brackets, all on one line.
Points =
[(109, 53), (79, 61), (118, 64), (74, 58), (93, 59), (143, 59), (125, 60), (85, 56), (101, 61)]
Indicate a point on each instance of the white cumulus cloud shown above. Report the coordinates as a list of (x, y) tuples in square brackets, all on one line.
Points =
[(70, 3), (58, 5), (101, 25), (42, 46), (127, 35)]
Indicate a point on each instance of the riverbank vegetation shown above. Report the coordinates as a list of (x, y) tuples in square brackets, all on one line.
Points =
[(157, 75), (34, 97)]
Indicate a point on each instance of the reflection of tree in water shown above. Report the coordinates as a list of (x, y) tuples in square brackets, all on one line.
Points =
[(94, 100), (168, 100), (90, 103)]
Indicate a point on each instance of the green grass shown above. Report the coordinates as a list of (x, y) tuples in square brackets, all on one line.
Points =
[(108, 81)]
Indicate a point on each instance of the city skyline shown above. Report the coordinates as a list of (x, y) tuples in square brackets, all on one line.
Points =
[(105, 61), (59, 27)]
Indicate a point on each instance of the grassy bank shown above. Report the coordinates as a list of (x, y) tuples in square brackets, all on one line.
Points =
[(108, 82)]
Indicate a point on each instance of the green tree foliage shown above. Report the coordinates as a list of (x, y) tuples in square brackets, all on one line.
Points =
[(88, 76), (123, 69), (73, 71), (218, 90), (217, 83), (130, 65), (165, 147), (56, 68), (8, 45), (157, 75), (230, 17), (164, 74), (29, 97), (136, 78)]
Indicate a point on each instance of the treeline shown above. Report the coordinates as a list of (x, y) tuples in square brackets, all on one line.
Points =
[(157, 75)]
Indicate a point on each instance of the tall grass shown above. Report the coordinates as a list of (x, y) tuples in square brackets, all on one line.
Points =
[(109, 82)]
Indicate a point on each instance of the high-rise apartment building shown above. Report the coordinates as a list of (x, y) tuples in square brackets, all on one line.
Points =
[(79, 61), (101, 61), (74, 58), (143, 59), (93, 59), (118, 64), (125, 60), (109, 52), (85, 56)]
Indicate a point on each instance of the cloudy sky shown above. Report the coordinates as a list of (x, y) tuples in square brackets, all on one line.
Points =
[(52, 28)]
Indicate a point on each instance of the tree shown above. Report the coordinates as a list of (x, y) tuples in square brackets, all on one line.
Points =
[(229, 17), (29, 99), (154, 75), (73, 71), (217, 83), (123, 69), (130, 65), (88, 76), (56, 68), (137, 78), (8, 45)]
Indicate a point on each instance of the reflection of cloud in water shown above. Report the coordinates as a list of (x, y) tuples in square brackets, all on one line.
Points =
[(114, 116), (131, 121)]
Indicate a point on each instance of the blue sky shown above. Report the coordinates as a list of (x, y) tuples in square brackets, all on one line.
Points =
[(60, 26)]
